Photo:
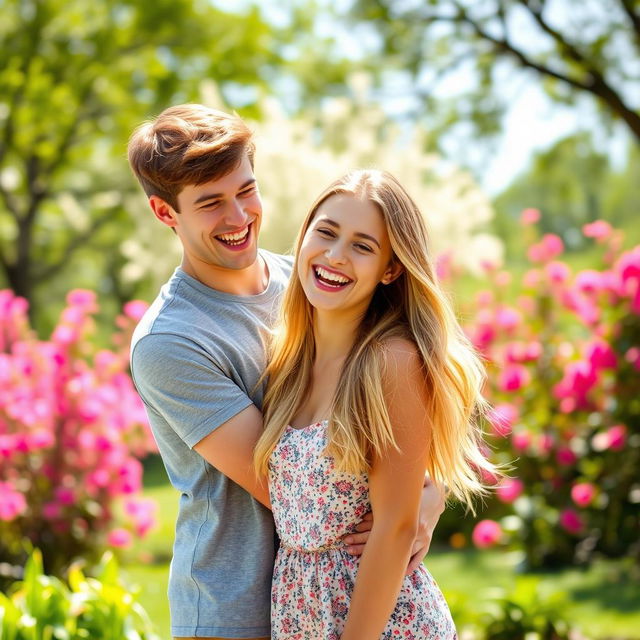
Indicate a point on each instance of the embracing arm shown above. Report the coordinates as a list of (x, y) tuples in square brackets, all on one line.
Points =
[(395, 488), (182, 383), (230, 450)]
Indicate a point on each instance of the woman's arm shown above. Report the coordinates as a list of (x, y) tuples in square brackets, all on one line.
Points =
[(395, 488)]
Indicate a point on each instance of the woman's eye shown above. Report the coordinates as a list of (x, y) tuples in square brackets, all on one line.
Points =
[(325, 232), (363, 247)]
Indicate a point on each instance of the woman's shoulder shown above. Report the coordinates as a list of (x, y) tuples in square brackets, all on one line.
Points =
[(402, 358)]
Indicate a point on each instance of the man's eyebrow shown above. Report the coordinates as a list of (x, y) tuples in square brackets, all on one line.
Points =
[(334, 224), (215, 196)]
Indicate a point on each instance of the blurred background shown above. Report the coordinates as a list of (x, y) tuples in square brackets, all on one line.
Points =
[(515, 125)]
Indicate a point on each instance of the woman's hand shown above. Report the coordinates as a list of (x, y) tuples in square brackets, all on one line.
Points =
[(431, 508)]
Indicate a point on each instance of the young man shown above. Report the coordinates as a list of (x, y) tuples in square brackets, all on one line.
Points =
[(196, 360)]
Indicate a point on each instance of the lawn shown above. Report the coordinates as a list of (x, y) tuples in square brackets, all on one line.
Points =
[(604, 600)]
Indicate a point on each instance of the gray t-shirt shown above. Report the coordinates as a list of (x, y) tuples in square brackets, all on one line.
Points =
[(196, 357)]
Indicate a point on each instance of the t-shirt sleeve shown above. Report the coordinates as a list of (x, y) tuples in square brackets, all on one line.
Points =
[(179, 381)]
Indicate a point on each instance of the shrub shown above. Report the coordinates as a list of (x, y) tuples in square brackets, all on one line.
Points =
[(564, 375), (71, 430), (100, 608)]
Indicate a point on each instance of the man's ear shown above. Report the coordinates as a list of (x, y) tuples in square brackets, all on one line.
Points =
[(393, 271), (163, 211)]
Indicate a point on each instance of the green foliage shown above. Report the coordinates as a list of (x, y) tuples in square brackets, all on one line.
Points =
[(42, 607), (572, 184), (526, 613), (75, 79)]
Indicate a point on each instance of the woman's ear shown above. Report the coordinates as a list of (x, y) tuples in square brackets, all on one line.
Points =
[(393, 271)]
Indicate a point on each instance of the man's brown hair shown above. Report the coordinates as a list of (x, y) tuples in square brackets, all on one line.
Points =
[(187, 144)]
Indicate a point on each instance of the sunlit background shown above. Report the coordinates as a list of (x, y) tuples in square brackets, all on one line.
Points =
[(515, 125)]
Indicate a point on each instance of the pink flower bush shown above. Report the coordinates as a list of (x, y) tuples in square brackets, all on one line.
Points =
[(72, 429), (564, 381)]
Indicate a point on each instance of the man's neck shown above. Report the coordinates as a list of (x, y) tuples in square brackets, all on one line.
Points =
[(239, 282)]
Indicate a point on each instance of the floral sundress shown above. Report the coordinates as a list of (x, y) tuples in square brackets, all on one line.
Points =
[(314, 506)]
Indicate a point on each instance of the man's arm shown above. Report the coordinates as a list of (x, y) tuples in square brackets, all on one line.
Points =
[(205, 408), (230, 450)]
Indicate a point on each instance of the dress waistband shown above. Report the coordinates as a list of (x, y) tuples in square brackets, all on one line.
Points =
[(327, 547)]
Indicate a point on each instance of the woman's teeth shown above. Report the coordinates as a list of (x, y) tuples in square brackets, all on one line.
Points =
[(234, 238), (329, 278)]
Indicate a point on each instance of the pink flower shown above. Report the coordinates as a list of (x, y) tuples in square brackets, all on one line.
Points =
[(589, 281), (553, 245), (486, 534), (509, 490), (444, 264), (508, 318), (571, 521), (601, 356), (484, 298), (628, 266), (583, 493), (579, 378), (502, 418), (513, 378), (632, 356), (545, 443), (119, 538), (598, 230), (557, 271), (529, 216), (547, 249), (12, 502), (566, 457), (135, 309), (521, 440), (617, 435), (65, 334), (82, 298)]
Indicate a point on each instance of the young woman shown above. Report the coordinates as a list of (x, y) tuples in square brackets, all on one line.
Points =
[(371, 384)]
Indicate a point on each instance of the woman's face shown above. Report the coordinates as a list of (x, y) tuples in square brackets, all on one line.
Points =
[(345, 254)]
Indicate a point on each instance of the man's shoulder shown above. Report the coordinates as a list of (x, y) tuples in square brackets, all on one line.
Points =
[(283, 262)]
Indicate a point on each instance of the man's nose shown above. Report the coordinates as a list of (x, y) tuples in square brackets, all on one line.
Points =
[(236, 215)]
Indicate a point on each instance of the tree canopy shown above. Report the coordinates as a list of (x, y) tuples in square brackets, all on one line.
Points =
[(572, 47), (75, 78)]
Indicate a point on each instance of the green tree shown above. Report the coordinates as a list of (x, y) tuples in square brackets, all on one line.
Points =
[(75, 78), (571, 183), (572, 47)]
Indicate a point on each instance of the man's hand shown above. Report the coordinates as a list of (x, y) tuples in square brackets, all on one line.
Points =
[(431, 508)]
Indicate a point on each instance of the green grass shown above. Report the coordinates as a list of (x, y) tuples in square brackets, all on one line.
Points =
[(604, 599)]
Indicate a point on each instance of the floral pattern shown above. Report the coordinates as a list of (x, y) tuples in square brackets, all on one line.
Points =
[(314, 506)]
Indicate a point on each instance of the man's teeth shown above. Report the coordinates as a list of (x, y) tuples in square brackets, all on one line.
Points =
[(234, 238), (332, 277)]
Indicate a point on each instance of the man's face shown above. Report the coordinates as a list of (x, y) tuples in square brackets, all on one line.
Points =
[(219, 221)]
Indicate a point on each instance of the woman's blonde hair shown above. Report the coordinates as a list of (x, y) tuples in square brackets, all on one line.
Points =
[(412, 307)]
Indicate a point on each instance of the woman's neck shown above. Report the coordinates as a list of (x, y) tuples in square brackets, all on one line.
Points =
[(334, 336)]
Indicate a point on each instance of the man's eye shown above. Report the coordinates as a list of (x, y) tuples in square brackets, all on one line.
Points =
[(247, 192)]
